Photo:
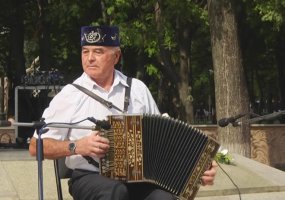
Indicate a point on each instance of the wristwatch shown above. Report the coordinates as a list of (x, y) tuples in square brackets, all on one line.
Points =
[(72, 147)]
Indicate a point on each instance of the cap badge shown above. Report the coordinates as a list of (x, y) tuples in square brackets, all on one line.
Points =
[(94, 37)]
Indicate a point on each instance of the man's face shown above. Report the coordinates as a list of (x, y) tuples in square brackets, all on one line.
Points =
[(99, 61)]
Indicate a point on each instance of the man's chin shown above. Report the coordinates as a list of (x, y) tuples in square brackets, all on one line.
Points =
[(94, 74)]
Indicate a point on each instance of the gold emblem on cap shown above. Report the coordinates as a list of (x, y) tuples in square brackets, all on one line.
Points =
[(94, 37)]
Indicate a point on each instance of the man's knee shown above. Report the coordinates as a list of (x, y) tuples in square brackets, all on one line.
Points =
[(160, 194), (98, 187), (117, 190)]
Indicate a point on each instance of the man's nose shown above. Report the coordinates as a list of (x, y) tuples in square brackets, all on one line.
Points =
[(91, 56)]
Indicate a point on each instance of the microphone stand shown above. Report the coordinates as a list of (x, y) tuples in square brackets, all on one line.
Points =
[(39, 126), (260, 118), (40, 157), (39, 150)]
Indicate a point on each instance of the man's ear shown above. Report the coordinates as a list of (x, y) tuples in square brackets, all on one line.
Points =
[(118, 56), (119, 65)]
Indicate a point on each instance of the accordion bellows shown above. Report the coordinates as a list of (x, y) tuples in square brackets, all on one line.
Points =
[(161, 150)]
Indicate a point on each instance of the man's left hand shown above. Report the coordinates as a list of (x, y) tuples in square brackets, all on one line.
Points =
[(209, 175)]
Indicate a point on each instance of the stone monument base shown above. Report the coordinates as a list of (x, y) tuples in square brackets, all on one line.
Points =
[(252, 180), (256, 181)]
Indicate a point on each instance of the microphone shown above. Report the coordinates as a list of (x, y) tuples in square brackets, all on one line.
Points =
[(226, 121), (5, 123), (101, 123)]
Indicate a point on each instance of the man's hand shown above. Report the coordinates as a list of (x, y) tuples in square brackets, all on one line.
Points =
[(209, 175), (92, 145)]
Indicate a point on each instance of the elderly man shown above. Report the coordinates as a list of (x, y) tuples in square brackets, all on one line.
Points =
[(100, 53)]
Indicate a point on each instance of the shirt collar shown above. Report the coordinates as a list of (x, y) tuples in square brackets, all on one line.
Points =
[(119, 78)]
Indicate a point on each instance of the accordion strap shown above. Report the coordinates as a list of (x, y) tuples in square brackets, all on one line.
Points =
[(91, 161), (108, 104)]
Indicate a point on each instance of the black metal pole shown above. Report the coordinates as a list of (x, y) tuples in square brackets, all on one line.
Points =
[(40, 159), (40, 128)]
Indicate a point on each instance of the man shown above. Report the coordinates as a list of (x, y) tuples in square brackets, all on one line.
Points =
[(100, 53)]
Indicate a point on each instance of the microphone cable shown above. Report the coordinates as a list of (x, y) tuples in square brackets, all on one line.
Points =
[(236, 186), (101, 123), (65, 123)]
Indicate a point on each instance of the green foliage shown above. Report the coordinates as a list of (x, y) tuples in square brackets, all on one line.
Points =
[(152, 71), (110, 10), (141, 42), (169, 43), (262, 23), (224, 157), (152, 49), (271, 11)]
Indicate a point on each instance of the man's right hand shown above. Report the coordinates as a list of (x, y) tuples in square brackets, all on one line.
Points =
[(93, 145)]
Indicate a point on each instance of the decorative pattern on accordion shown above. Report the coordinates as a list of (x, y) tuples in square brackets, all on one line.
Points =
[(164, 151), (124, 159)]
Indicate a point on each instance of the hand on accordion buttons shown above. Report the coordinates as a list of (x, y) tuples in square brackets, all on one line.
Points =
[(92, 145), (209, 175)]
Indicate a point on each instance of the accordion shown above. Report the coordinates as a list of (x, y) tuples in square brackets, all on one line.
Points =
[(161, 150)]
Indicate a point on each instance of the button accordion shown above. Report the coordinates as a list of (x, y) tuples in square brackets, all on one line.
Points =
[(161, 150)]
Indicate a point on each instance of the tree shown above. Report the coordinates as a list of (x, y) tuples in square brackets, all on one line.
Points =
[(44, 35), (165, 43), (230, 84), (163, 31), (16, 60), (271, 15), (181, 76)]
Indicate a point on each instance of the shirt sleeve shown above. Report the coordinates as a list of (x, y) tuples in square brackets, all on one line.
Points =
[(60, 110), (141, 99)]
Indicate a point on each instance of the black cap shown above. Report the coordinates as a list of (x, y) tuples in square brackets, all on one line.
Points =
[(100, 36)]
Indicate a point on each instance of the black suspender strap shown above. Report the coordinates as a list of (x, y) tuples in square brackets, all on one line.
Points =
[(127, 94)]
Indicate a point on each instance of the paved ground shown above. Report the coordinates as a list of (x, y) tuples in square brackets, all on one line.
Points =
[(19, 177), (19, 180)]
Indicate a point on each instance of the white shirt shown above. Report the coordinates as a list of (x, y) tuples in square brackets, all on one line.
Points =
[(71, 105)]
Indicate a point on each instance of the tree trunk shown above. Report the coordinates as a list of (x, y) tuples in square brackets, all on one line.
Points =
[(280, 60), (44, 36), (184, 87), (179, 77), (16, 61), (230, 85)]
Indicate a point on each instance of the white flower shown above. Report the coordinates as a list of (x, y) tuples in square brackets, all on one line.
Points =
[(165, 115), (223, 156), (224, 152)]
